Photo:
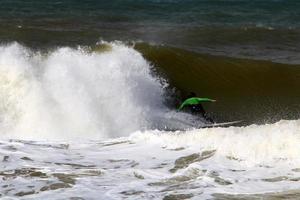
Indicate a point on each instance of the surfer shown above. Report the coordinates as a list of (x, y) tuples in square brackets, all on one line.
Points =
[(194, 106)]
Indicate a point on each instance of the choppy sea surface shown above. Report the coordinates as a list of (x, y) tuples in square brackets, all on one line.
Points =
[(89, 94)]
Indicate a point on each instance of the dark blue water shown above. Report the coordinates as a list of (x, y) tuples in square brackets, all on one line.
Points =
[(276, 13), (268, 29)]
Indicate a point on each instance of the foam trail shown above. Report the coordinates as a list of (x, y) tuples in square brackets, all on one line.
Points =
[(71, 93)]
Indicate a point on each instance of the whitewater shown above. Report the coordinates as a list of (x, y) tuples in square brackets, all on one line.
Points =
[(76, 123)]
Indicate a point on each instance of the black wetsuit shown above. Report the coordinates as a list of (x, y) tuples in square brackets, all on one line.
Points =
[(199, 110)]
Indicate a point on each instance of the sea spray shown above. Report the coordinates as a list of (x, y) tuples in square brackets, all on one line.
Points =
[(69, 93)]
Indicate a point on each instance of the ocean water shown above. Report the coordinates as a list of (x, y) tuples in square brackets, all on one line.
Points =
[(89, 91), (265, 29)]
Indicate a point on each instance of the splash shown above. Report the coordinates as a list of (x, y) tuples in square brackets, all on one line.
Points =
[(71, 93)]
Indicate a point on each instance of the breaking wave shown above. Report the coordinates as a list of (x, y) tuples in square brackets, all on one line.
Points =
[(75, 92)]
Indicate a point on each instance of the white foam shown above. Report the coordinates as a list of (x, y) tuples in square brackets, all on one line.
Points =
[(265, 144), (71, 93), (141, 166)]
